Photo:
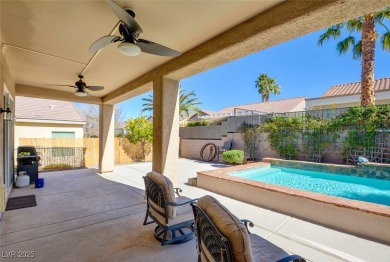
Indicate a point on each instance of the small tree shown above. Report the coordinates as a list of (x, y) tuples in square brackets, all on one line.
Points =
[(249, 134), (140, 130), (283, 133)]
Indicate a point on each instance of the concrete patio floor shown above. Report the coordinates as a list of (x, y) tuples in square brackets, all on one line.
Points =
[(83, 216)]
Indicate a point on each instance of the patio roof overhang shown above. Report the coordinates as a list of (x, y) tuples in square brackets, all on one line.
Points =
[(47, 42)]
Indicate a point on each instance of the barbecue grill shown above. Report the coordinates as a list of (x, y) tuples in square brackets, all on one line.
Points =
[(28, 161)]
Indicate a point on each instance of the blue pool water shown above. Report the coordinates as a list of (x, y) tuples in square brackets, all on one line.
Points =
[(352, 187)]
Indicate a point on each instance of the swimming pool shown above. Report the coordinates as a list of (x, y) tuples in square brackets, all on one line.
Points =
[(361, 218), (352, 187)]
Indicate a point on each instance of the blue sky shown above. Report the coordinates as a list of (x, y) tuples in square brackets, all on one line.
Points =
[(299, 66)]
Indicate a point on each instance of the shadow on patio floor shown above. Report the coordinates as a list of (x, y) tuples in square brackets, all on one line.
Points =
[(81, 216)]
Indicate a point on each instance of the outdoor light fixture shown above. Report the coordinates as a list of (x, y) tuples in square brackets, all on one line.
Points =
[(80, 93), (129, 49), (7, 115)]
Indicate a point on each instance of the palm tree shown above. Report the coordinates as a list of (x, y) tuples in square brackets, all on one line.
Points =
[(364, 47), (148, 105), (265, 86), (188, 102)]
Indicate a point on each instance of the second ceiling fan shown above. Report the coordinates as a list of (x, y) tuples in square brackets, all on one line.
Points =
[(81, 86), (129, 29)]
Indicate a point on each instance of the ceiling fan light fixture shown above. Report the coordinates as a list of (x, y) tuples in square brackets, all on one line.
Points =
[(80, 93), (129, 49)]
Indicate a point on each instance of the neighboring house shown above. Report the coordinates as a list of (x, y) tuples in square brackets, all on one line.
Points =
[(348, 95), (197, 117), (44, 118), (277, 106), (120, 129)]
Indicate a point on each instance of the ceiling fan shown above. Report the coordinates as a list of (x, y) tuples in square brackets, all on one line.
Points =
[(80, 85), (129, 29)]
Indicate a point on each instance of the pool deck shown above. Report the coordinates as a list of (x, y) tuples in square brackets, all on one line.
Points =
[(83, 216)]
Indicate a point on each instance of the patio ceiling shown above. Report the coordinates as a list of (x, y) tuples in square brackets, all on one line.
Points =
[(46, 42)]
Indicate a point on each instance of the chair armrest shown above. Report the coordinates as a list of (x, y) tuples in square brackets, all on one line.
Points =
[(294, 258), (177, 190), (183, 203), (246, 222)]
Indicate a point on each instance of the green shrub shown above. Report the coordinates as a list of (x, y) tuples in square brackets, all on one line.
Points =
[(283, 133), (55, 167), (233, 156), (217, 121), (198, 123)]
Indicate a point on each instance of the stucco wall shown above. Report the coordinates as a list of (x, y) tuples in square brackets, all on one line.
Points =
[(300, 107), (44, 130)]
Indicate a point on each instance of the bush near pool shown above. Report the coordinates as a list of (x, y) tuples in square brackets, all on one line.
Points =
[(233, 156)]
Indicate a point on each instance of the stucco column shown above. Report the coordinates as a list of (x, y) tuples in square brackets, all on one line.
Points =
[(106, 138), (166, 128)]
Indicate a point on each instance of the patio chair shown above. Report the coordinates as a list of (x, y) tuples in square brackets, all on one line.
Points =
[(226, 147), (173, 215), (221, 236)]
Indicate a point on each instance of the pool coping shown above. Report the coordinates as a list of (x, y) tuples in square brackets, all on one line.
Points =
[(367, 207)]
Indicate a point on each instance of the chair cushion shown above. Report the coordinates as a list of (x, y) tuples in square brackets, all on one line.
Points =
[(168, 191), (229, 226)]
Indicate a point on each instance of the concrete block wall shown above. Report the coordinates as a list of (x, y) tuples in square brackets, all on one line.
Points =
[(215, 132), (190, 148)]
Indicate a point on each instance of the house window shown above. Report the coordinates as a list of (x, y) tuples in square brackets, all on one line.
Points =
[(62, 151), (60, 134)]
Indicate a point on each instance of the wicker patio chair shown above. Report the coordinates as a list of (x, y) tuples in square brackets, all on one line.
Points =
[(173, 215), (221, 236)]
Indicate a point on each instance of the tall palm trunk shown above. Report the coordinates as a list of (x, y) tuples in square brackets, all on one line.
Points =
[(368, 60)]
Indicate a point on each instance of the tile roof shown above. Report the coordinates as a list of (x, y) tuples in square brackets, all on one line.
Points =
[(207, 112), (382, 84), (277, 106), (46, 109)]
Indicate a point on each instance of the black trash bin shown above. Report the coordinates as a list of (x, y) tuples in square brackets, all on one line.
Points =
[(28, 163)]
